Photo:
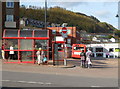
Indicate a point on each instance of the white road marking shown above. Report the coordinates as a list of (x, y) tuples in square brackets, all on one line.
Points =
[(20, 81), (5, 80), (29, 82), (96, 86)]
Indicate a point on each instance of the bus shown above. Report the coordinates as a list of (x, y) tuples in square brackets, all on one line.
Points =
[(77, 49)]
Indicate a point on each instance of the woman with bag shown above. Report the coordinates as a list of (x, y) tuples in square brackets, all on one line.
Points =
[(39, 56)]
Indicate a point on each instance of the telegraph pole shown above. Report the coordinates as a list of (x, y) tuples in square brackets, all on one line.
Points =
[(46, 14)]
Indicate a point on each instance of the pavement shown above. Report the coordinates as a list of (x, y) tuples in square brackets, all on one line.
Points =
[(101, 68)]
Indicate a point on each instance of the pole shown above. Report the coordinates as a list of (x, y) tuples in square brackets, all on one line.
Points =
[(65, 62), (45, 14)]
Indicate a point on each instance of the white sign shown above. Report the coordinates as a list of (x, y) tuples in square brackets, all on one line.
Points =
[(77, 53), (59, 38)]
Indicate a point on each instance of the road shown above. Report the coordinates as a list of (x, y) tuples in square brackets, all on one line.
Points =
[(103, 74), (24, 79)]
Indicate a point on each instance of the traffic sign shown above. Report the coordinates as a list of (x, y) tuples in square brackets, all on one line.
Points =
[(64, 32)]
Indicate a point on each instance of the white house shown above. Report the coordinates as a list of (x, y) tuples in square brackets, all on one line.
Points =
[(106, 50), (112, 39), (95, 39)]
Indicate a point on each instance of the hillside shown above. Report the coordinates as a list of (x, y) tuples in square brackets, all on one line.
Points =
[(60, 15)]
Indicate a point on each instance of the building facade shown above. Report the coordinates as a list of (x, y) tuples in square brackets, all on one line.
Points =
[(73, 35), (10, 15), (105, 50)]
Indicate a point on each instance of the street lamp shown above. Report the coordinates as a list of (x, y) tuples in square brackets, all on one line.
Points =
[(117, 15), (46, 14)]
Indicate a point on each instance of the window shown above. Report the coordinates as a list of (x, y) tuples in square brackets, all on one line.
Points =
[(99, 54), (10, 4), (111, 56), (69, 41), (79, 48), (68, 31), (60, 47), (111, 50), (53, 31), (9, 18), (99, 49), (117, 49)]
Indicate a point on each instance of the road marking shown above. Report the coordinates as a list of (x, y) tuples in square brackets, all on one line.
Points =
[(96, 86), (29, 82), (5, 80)]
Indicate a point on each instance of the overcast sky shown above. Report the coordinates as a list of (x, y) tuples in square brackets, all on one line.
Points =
[(104, 11)]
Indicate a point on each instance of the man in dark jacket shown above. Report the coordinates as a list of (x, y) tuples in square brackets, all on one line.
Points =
[(83, 58)]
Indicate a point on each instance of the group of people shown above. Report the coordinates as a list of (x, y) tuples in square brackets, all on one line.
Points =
[(41, 56), (86, 59)]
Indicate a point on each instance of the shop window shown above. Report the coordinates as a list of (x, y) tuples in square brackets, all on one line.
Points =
[(99, 49), (111, 50)]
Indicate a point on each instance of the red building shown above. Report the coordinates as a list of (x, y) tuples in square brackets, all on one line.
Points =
[(73, 35)]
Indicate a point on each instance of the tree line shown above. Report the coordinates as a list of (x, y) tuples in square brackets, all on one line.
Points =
[(60, 15)]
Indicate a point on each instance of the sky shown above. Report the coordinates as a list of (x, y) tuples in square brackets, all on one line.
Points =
[(104, 11)]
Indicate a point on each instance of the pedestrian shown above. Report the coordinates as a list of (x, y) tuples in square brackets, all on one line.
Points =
[(11, 53), (83, 58), (45, 60), (39, 56), (2, 50), (88, 58)]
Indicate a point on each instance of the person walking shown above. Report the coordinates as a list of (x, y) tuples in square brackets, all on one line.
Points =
[(39, 56), (88, 59), (2, 50), (11, 52), (83, 59)]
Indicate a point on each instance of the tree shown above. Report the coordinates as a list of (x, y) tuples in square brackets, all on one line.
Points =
[(60, 15)]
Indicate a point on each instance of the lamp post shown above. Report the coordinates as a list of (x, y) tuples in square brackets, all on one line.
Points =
[(46, 14)]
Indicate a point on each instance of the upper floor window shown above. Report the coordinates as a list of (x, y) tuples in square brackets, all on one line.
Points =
[(9, 18), (10, 4)]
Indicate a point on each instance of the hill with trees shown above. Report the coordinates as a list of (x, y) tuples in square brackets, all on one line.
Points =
[(60, 15)]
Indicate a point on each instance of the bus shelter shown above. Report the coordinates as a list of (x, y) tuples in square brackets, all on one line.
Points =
[(25, 44)]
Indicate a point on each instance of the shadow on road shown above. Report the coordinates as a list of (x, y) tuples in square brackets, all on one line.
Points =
[(96, 63)]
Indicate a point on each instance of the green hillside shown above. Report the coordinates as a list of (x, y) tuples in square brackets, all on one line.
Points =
[(60, 15)]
